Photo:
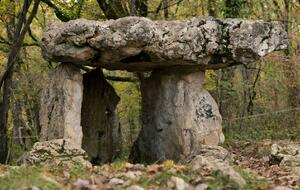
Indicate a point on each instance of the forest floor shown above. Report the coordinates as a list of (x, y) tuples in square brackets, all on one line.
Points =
[(254, 157), (251, 160)]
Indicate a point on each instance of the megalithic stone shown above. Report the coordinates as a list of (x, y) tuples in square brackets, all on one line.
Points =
[(140, 44), (60, 112), (178, 116), (99, 119)]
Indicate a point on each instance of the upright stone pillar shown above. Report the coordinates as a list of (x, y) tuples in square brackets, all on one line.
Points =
[(100, 122), (61, 105), (178, 115)]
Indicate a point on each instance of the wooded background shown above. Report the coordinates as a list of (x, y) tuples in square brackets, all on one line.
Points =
[(257, 101)]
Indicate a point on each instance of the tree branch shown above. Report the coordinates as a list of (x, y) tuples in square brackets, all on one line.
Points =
[(24, 44), (252, 91), (113, 9), (58, 12), (31, 35), (19, 37), (160, 5), (108, 77), (121, 79)]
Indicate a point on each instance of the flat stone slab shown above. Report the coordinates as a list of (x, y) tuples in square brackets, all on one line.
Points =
[(140, 44)]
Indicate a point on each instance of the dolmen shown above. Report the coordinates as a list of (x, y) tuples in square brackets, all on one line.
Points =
[(178, 114)]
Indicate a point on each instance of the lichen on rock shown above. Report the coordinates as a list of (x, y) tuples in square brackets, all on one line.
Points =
[(57, 152), (178, 117), (61, 105), (137, 44)]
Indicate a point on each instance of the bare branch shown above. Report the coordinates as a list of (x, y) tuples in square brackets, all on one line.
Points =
[(159, 8), (108, 77), (21, 31), (58, 12), (24, 44), (32, 35), (121, 79)]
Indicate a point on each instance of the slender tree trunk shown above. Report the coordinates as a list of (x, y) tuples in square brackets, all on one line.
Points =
[(196, 7), (6, 79), (132, 8), (212, 8), (19, 124), (10, 28), (166, 9), (3, 139), (113, 9), (203, 7), (225, 77), (286, 21), (294, 89)]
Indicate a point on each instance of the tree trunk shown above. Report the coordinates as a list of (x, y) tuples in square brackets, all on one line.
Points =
[(10, 28), (166, 9), (291, 74), (6, 79), (114, 9), (3, 138), (212, 8)]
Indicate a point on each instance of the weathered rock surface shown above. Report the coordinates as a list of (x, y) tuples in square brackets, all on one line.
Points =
[(217, 152), (61, 105), (100, 122), (178, 116), (212, 163), (179, 183), (286, 155), (57, 152), (136, 43)]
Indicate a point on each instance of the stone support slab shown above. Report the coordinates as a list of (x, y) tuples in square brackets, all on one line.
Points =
[(178, 116), (60, 111), (99, 119)]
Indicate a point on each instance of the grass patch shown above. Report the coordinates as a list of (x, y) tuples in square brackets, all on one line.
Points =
[(252, 182), (27, 178), (159, 179), (218, 181)]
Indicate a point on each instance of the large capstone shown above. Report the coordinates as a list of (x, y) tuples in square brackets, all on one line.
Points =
[(100, 122), (137, 44), (61, 100), (178, 116)]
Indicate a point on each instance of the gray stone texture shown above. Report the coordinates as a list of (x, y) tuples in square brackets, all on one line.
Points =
[(210, 163), (61, 100), (137, 44), (178, 116), (100, 122), (56, 152)]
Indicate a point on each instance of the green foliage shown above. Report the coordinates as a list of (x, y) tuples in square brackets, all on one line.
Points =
[(159, 179), (220, 182), (273, 126), (129, 112), (4, 7), (69, 10), (27, 178), (234, 8), (252, 182), (91, 10)]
